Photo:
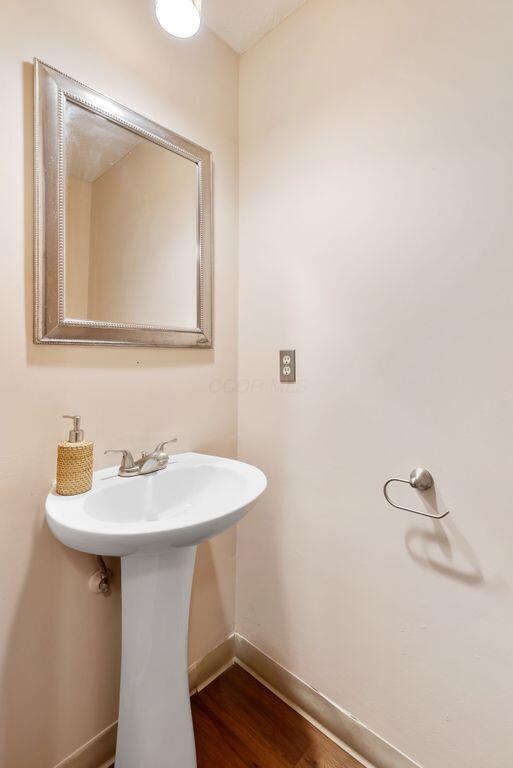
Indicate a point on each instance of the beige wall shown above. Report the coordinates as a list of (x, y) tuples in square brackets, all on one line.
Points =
[(78, 236), (59, 644), (145, 205), (376, 238)]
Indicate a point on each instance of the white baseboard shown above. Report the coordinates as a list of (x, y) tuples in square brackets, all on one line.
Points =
[(355, 737), (98, 751), (202, 672), (366, 746)]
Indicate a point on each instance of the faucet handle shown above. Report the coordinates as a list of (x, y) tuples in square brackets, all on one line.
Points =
[(160, 447), (127, 461)]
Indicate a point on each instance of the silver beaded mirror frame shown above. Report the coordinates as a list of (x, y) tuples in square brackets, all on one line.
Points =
[(54, 92)]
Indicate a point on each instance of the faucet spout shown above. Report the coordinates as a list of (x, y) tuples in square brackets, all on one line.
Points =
[(147, 464)]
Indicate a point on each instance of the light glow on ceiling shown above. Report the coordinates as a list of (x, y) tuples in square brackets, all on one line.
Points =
[(181, 18)]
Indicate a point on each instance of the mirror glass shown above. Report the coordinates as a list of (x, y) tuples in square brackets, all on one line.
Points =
[(132, 223)]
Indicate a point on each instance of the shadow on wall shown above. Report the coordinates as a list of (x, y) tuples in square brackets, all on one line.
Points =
[(443, 548), (450, 556), (207, 609), (46, 680)]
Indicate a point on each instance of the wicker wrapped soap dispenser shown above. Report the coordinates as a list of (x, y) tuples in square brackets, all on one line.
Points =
[(74, 462)]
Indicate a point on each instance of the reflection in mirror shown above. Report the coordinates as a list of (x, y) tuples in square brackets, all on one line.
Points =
[(131, 243)]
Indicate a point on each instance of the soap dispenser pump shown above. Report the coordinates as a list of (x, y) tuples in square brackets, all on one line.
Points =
[(74, 462)]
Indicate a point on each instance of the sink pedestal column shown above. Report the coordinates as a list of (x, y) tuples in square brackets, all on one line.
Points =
[(155, 724)]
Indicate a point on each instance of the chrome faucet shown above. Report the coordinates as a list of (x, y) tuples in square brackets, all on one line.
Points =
[(147, 464)]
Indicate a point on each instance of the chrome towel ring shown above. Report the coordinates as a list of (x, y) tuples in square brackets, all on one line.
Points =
[(421, 480)]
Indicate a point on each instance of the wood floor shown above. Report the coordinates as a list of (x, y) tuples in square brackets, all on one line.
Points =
[(239, 723)]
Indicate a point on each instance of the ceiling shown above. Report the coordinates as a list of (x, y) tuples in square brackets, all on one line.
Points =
[(242, 23), (94, 144)]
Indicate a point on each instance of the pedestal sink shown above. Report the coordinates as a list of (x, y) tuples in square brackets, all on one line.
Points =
[(154, 523)]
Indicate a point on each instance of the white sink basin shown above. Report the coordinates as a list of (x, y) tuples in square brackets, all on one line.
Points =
[(195, 498), (154, 523)]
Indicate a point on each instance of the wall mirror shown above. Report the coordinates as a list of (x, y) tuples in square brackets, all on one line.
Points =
[(123, 241)]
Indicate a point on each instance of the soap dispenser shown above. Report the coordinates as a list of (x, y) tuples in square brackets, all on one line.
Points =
[(74, 462)]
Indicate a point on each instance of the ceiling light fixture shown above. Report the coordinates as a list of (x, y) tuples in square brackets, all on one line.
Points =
[(181, 18)]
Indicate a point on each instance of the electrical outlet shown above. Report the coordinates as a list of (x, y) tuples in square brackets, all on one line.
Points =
[(288, 365)]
